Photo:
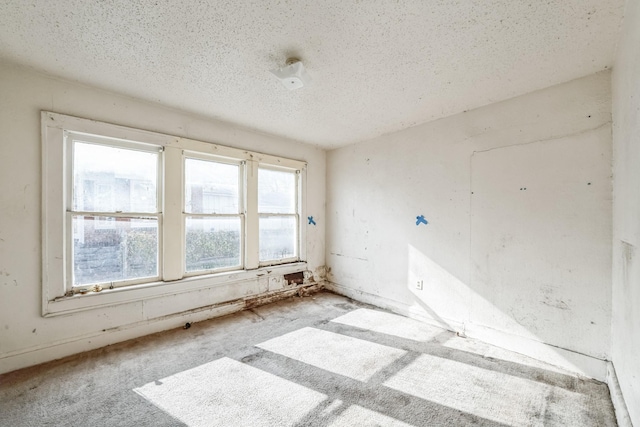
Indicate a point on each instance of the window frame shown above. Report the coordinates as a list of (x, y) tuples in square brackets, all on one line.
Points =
[(173, 279), (186, 154), (296, 215), (70, 139)]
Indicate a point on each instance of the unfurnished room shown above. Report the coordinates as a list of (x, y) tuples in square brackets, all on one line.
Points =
[(335, 213)]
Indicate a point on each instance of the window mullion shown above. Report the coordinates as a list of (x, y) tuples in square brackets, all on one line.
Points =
[(173, 224), (252, 260)]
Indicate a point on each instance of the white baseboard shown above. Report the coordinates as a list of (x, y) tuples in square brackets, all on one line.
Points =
[(571, 361), (617, 398), (578, 363), (52, 351)]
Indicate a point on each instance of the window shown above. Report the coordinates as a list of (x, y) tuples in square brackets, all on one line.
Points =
[(126, 209), (213, 216), (277, 207), (114, 212)]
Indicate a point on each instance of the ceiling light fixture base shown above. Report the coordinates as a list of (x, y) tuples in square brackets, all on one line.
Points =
[(293, 75)]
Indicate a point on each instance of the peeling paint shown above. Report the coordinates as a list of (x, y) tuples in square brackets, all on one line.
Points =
[(266, 299), (320, 273)]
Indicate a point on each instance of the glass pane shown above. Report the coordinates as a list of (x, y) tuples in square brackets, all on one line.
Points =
[(212, 243), (276, 191), (113, 179), (110, 249), (211, 187), (278, 236)]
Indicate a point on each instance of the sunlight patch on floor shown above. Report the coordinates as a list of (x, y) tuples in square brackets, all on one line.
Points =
[(351, 357), (488, 350), (390, 324), (356, 415), (228, 392), (489, 394)]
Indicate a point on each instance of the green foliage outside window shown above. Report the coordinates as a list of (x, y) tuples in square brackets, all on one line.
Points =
[(214, 249)]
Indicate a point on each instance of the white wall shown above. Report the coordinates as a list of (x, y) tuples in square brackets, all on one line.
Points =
[(625, 345), (527, 269), (25, 336)]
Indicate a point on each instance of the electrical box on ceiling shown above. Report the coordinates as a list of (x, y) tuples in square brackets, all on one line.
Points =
[(293, 75)]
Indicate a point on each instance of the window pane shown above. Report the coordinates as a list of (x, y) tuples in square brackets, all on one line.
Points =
[(211, 187), (212, 243), (276, 191), (112, 179), (110, 249), (277, 237)]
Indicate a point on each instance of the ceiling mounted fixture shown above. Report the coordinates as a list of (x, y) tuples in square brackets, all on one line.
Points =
[(292, 75)]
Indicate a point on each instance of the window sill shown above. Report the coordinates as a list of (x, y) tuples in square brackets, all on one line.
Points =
[(111, 297)]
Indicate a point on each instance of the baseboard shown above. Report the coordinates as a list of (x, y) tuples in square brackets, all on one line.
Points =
[(617, 398), (569, 360), (57, 350), (572, 361)]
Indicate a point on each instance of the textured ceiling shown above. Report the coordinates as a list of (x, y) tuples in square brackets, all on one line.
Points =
[(377, 66)]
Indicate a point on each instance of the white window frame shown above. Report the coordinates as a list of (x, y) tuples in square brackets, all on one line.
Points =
[(69, 138), (173, 278), (241, 202), (296, 215)]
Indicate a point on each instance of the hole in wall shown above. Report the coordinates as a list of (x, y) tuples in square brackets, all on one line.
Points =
[(294, 278)]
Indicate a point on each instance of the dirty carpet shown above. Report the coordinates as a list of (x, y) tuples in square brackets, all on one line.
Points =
[(322, 360)]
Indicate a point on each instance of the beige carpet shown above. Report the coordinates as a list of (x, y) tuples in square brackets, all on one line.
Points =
[(317, 361)]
